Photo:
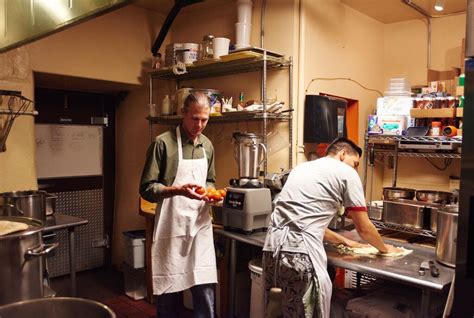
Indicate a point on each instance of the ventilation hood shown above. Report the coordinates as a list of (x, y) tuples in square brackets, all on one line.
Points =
[(24, 21)]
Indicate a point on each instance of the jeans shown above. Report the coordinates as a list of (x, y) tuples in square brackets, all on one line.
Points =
[(171, 305)]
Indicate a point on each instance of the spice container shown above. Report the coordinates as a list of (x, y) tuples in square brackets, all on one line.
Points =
[(435, 129), (451, 102), (206, 49)]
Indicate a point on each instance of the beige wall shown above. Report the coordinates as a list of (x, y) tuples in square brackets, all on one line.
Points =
[(406, 46), (17, 166)]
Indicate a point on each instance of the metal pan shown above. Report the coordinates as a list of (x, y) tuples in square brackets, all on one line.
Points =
[(394, 193), (431, 196)]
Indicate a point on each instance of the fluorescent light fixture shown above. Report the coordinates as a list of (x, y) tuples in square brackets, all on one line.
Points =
[(439, 5)]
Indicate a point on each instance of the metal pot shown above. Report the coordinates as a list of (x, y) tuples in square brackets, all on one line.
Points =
[(431, 196), (393, 193), (58, 307), (20, 263), (50, 203), (30, 203), (446, 236), (249, 152)]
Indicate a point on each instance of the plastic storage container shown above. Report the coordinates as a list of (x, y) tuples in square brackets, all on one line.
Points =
[(134, 282), (257, 296), (134, 244)]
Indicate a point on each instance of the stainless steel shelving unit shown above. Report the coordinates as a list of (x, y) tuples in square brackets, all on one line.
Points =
[(390, 145), (399, 228), (262, 62)]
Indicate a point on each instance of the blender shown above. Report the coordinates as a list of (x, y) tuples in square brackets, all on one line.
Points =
[(247, 204)]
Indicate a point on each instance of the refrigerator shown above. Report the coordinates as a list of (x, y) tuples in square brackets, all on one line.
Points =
[(463, 302)]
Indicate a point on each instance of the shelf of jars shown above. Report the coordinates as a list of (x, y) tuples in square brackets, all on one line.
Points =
[(400, 228), (222, 67), (232, 117)]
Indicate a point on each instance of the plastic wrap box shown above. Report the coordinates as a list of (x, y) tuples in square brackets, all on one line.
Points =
[(134, 282), (387, 124), (134, 253)]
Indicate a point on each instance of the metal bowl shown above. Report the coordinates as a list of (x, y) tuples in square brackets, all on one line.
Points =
[(393, 193), (431, 196), (56, 308)]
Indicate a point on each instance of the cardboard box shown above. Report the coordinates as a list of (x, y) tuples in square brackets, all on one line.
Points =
[(432, 113), (394, 105), (434, 75)]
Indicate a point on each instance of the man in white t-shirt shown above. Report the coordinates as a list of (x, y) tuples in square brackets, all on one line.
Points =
[(294, 258)]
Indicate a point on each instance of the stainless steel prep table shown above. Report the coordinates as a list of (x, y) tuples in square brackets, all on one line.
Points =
[(403, 270), (57, 222)]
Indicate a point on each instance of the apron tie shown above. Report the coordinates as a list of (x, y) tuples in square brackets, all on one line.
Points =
[(286, 230)]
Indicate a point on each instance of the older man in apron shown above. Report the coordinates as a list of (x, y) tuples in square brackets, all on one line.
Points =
[(183, 254), (294, 258)]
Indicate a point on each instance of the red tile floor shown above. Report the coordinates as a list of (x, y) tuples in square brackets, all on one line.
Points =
[(106, 286)]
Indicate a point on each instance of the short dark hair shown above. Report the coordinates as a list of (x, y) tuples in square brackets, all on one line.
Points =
[(341, 143)]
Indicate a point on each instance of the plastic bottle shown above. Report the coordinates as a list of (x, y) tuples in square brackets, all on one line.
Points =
[(435, 128), (165, 105)]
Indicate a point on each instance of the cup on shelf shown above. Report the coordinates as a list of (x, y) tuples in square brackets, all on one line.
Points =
[(244, 11), (220, 46), (152, 110), (242, 34)]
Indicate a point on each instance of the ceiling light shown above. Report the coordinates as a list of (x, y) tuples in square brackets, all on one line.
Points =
[(439, 5)]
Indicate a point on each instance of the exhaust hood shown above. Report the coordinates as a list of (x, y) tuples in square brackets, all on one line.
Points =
[(24, 21)]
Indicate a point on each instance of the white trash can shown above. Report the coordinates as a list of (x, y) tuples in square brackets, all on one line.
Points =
[(257, 297)]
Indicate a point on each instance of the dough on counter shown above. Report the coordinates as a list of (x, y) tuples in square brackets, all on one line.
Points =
[(7, 227), (370, 250)]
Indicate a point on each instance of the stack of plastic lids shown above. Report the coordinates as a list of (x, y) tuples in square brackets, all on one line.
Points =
[(399, 86)]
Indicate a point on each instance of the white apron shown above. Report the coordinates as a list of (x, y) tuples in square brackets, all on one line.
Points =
[(313, 236), (183, 246)]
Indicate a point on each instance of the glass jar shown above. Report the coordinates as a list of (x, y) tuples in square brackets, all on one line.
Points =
[(206, 47)]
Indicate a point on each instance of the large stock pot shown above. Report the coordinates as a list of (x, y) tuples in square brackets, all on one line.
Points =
[(21, 273), (446, 235), (59, 307)]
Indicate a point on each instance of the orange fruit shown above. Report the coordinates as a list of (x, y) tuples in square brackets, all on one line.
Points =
[(200, 190), (222, 192)]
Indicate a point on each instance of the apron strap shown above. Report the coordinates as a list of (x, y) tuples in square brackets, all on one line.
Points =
[(180, 145)]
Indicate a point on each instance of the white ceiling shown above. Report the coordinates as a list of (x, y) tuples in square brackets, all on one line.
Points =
[(385, 11)]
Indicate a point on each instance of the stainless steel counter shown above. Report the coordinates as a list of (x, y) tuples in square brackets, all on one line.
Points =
[(58, 222), (403, 270)]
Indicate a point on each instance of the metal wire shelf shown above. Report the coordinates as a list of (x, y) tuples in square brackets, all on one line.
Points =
[(400, 228), (220, 68), (394, 138), (233, 118), (442, 155)]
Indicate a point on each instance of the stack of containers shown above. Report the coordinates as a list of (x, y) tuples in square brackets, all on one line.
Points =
[(244, 24), (393, 110)]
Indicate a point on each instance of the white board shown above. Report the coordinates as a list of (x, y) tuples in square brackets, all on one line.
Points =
[(68, 150)]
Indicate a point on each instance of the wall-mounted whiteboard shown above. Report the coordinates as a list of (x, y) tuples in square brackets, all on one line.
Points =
[(68, 150)]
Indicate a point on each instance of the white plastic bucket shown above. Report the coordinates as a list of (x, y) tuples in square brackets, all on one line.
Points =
[(242, 33), (257, 297), (244, 11)]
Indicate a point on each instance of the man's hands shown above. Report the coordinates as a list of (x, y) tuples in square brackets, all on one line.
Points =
[(392, 249), (189, 190)]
